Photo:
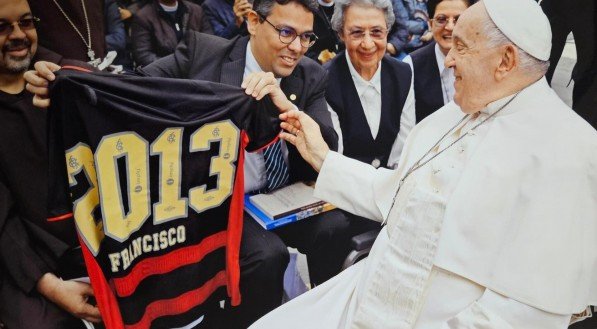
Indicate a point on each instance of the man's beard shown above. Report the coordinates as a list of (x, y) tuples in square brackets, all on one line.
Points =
[(14, 65)]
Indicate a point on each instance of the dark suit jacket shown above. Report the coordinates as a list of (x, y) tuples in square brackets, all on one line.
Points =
[(342, 96), (326, 36), (428, 84), (211, 58), (153, 36)]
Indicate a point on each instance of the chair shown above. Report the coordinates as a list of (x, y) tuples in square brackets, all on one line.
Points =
[(360, 246)]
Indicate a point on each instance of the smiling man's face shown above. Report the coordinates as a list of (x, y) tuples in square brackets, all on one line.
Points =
[(17, 47), (272, 54)]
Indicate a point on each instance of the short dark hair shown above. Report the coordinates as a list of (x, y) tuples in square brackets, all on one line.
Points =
[(431, 4), (264, 7)]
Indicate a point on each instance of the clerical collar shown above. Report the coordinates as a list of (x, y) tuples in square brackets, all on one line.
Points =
[(359, 81), (169, 9), (534, 90), (251, 65), (325, 4)]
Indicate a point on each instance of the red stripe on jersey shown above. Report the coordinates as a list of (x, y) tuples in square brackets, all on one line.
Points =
[(106, 301), (265, 146), (76, 68), (126, 285), (235, 225), (61, 217), (180, 304)]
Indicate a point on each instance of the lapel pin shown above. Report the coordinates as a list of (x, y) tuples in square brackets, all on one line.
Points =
[(292, 97)]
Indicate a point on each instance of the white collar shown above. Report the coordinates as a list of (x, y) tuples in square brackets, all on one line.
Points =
[(251, 65), (325, 4), (535, 89), (361, 83), (441, 59), (169, 9)]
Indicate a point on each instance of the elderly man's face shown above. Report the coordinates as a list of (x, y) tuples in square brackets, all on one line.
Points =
[(16, 47), (443, 21), (272, 54), (473, 61), (365, 37)]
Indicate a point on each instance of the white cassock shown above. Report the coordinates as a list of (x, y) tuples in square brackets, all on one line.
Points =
[(498, 231)]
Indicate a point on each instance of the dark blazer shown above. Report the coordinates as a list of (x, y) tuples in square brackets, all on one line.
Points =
[(220, 15), (428, 84), (211, 58), (341, 95), (326, 36), (153, 36)]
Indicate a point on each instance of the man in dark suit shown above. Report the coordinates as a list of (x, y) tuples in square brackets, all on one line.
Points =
[(280, 34), (433, 82), (580, 18)]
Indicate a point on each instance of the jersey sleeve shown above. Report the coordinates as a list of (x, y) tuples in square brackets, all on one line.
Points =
[(263, 124), (59, 202)]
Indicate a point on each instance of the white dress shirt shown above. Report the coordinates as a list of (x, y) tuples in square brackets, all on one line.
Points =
[(446, 75), (255, 174), (369, 93)]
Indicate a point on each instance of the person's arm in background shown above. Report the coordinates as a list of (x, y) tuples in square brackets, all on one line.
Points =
[(115, 34), (222, 22), (141, 41), (398, 35)]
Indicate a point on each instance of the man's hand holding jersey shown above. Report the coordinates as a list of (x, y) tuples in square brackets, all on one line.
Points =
[(258, 85), (37, 82)]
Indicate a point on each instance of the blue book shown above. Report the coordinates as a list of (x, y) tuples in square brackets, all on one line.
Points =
[(270, 223)]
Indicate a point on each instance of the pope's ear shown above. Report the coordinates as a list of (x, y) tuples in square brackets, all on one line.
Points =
[(253, 21), (509, 60)]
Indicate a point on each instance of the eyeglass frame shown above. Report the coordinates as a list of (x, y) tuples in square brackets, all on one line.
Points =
[(10, 27), (454, 20), (296, 35), (365, 32)]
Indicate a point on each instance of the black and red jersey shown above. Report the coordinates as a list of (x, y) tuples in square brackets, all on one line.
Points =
[(152, 170)]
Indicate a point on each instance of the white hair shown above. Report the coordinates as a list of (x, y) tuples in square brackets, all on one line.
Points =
[(496, 38), (340, 7)]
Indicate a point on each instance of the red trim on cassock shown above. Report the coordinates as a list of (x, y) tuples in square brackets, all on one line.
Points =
[(76, 68), (61, 217), (106, 301), (127, 285), (266, 145), (235, 225), (180, 304)]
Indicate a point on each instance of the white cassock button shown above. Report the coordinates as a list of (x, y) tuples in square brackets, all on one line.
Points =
[(292, 97), (375, 163)]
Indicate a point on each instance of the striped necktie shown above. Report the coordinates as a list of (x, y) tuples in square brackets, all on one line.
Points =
[(275, 167)]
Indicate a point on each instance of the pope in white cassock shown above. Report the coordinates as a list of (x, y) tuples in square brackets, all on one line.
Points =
[(490, 218)]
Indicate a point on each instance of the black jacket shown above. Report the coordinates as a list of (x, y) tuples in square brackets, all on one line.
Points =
[(428, 84), (153, 33)]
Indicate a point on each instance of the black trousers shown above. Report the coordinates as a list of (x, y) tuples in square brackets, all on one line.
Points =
[(19, 310), (325, 239)]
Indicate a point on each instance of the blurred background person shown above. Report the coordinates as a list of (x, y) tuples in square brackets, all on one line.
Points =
[(227, 17), (159, 26)]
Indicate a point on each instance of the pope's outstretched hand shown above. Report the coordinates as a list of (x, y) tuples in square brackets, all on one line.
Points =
[(303, 132)]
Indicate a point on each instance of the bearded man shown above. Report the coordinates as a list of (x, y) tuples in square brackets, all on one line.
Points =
[(31, 295)]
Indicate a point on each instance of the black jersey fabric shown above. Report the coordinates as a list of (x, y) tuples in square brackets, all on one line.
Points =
[(152, 169)]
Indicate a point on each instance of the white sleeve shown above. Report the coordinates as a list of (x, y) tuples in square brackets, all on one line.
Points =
[(494, 311), (337, 128), (407, 123)]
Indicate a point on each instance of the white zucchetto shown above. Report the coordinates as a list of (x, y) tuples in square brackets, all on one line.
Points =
[(524, 23)]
